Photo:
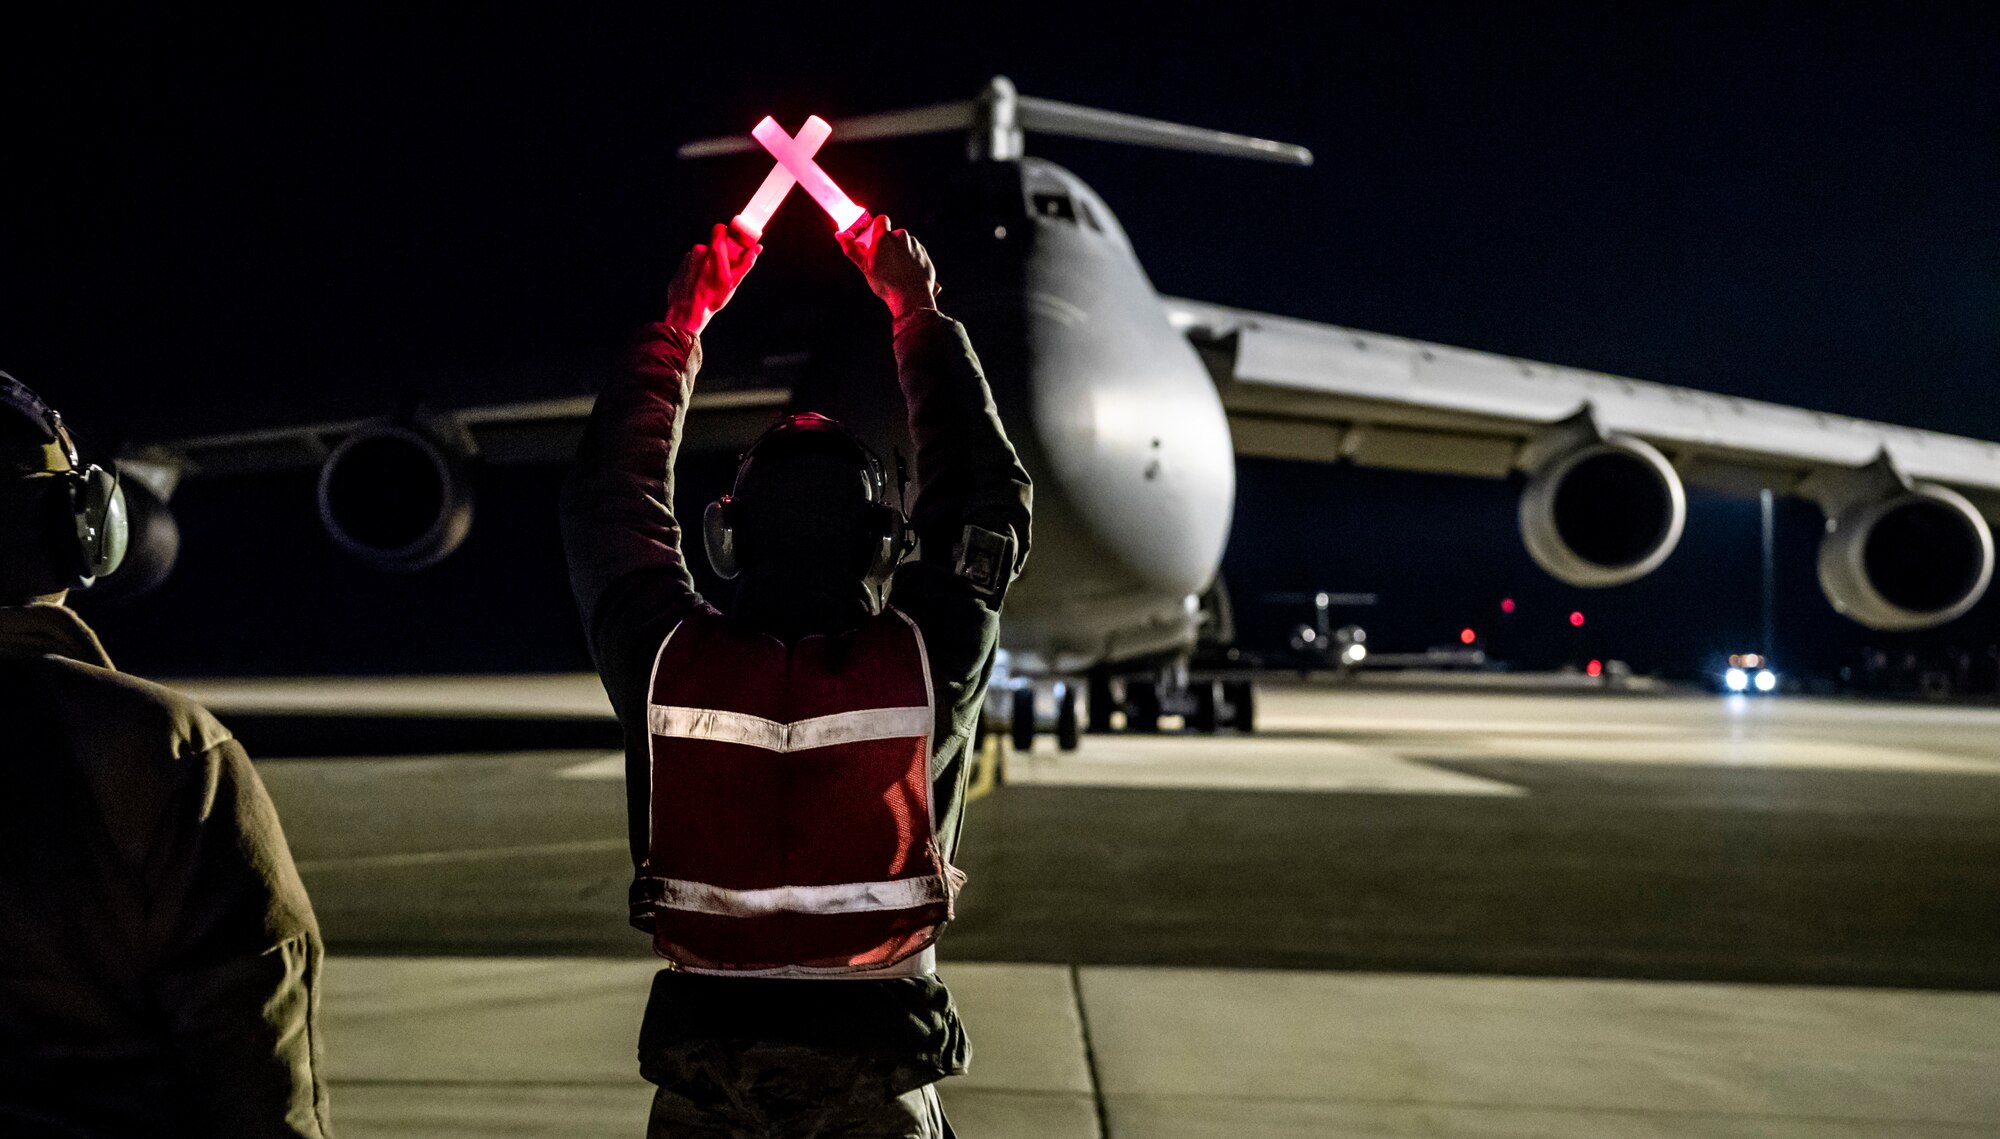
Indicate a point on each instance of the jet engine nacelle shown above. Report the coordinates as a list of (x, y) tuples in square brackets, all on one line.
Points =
[(1603, 513), (396, 497), (1909, 560)]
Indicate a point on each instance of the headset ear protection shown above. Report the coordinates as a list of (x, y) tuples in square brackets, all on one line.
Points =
[(718, 535), (91, 530), (887, 536)]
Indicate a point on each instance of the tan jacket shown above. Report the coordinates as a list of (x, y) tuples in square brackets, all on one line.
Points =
[(159, 960)]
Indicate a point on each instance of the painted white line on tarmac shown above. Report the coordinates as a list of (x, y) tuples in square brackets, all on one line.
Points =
[(1711, 751), (475, 854), (1244, 764), (608, 767)]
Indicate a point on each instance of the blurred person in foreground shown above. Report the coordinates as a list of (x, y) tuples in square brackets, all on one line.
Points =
[(796, 769), (159, 961)]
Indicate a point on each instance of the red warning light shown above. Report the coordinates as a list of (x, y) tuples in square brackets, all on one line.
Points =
[(1466, 636), (812, 179), (1576, 618), (1594, 668), (1506, 605)]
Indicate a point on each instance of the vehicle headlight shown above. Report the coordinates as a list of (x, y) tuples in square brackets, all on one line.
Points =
[(1736, 680), (1766, 680)]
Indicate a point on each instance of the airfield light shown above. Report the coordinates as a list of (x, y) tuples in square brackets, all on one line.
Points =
[(778, 183), (793, 157), (1576, 618), (1736, 680), (1506, 605), (1594, 668), (1355, 654), (1766, 680), (1466, 636)]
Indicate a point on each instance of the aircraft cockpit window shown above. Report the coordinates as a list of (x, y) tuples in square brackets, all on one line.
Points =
[(1058, 206)]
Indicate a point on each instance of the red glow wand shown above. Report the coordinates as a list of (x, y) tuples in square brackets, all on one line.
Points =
[(797, 159), (749, 225)]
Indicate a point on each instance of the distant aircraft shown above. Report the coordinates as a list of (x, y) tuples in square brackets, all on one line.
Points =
[(1130, 407)]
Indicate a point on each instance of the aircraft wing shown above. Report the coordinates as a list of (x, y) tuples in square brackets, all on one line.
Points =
[(541, 431), (1298, 389)]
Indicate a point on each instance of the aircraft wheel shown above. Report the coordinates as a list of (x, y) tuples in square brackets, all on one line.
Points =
[(1241, 696), (1067, 734), (1206, 717), (1101, 703), (1142, 706), (1024, 719)]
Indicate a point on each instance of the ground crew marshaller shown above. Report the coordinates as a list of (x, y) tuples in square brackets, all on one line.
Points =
[(796, 769), (159, 961)]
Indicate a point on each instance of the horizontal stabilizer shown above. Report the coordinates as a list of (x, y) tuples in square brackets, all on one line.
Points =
[(999, 117), (1046, 116)]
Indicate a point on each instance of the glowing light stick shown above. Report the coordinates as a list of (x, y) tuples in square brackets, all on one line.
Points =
[(838, 206), (750, 224)]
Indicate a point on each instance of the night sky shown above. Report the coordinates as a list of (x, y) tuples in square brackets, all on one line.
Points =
[(214, 224)]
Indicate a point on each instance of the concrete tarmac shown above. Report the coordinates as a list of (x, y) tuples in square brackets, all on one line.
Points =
[(1392, 913)]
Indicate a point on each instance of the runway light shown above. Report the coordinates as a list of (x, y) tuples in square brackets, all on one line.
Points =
[(831, 198), (1766, 680), (779, 182), (1506, 605), (1594, 668), (1466, 636), (1576, 618), (1736, 680)]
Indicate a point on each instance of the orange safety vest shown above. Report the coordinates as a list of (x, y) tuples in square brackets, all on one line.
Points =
[(791, 825)]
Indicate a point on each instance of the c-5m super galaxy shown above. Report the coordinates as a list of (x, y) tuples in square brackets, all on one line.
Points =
[(1130, 408)]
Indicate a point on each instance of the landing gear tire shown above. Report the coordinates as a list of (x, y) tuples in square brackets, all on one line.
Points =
[(1206, 717), (1068, 734), (1241, 697), (1101, 702), (1023, 725), (1142, 706)]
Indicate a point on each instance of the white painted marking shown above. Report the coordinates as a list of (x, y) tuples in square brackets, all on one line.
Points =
[(1250, 764), (610, 767), (475, 854), (1711, 751)]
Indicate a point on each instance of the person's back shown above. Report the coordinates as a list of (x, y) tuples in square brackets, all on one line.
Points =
[(797, 901), (158, 957)]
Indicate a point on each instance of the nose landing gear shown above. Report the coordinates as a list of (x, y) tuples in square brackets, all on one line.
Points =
[(1105, 703)]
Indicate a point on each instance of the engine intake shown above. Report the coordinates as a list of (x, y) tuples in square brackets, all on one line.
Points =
[(395, 497), (1605, 513), (1911, 560)]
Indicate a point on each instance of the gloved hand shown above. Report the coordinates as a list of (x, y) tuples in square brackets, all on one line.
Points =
[(896, 265), (707, 278)]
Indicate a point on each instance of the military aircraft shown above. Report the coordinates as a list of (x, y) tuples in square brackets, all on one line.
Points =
[(1130, 408)]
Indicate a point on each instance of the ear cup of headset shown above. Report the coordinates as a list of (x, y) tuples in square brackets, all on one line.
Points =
[(718, 536), (100, 529)]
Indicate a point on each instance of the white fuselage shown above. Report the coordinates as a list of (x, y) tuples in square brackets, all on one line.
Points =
[(1123, 432)]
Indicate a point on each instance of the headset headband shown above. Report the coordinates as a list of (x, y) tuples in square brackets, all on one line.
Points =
[(22, 400), (813, 423)]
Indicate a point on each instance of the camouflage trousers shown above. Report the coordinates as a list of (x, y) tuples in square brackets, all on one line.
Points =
[(774, 1091)]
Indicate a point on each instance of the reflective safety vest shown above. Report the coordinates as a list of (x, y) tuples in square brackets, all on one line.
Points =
[(792, 831)]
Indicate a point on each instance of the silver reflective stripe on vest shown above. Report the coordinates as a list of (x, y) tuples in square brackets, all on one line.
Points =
[(755, 731), (848, 898)]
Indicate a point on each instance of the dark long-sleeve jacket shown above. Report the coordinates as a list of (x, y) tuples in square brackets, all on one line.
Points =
[(632, 585), (159, 960)]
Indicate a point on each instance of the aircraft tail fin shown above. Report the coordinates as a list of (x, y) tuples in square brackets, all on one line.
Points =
[(999, 118)]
